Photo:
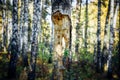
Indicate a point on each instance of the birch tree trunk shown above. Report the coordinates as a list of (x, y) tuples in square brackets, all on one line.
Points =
[(34, 45), (21, 27), (113, 19), (115, 15), (25, 34), (6, 33), (9, 32), (4, 24), (105, 41), (14, 41), (111, 40), (61, 11), (86, 25), (95, 54), (77, 44), (98, 68), (78, 9)]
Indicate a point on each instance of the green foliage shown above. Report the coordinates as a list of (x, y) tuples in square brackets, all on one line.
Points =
[(19, 69), (43, 52), (3, 65), (86, 56), (66, 53)]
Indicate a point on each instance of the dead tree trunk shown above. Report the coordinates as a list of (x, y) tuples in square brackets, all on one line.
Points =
[(61, 10)]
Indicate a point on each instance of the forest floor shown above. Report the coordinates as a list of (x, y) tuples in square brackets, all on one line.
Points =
[(82, 70)]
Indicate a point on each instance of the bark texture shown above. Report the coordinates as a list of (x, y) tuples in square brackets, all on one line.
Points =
[(105, 41), (21, 27), (14, 41), (98, 68), (78, 9), (25, 34), (61, 11), (86, 26), (111, 40), (34, 44), (4, 23)]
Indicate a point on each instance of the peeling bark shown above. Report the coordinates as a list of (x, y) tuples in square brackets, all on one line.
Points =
[(61, 11)]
